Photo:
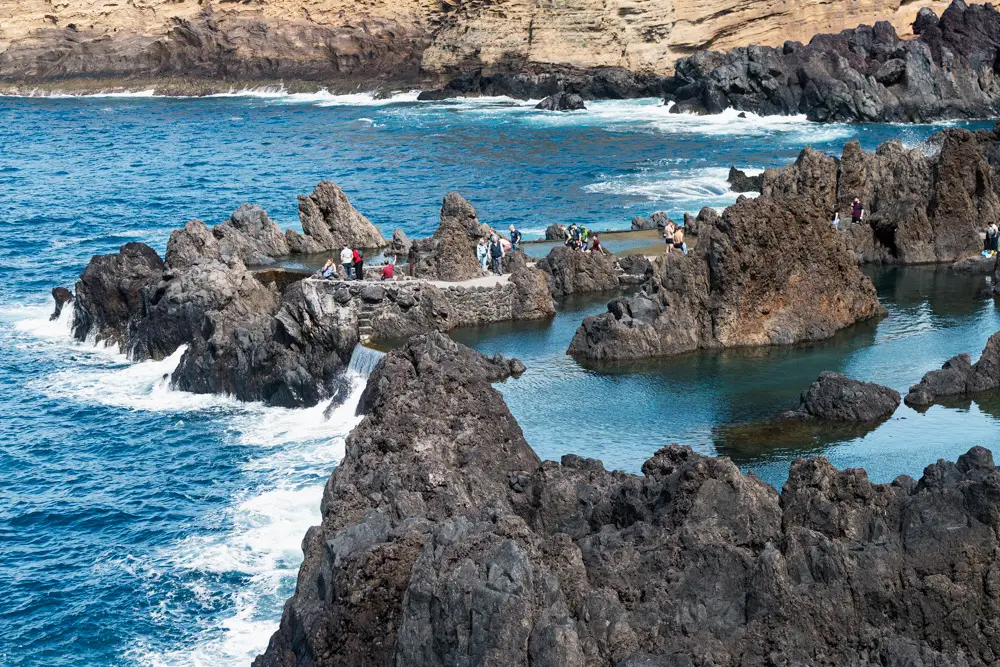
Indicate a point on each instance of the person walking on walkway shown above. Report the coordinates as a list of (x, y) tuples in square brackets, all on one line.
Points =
[(496, 255), (483, 253), (347, 259), (359, 264)]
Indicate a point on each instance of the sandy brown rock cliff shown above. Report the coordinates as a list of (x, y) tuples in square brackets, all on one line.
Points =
[(343, 44)]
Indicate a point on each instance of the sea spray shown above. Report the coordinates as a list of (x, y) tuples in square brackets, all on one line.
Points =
[(363, 360)]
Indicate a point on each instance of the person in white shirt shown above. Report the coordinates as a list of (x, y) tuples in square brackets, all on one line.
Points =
[(347, 260)]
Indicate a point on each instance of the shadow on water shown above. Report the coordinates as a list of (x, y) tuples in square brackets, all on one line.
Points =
[(777, 439)]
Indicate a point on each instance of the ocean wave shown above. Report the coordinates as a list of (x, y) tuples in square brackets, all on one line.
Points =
[(676, 189)]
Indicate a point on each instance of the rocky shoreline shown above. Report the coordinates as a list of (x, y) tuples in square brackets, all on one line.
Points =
[(445, 540)]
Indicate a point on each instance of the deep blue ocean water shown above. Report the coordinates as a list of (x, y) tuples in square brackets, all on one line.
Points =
[(144, 526)]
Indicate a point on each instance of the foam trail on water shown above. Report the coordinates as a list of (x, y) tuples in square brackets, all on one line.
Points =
[(676, 190)]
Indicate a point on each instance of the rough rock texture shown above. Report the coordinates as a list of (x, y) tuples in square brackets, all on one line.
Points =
[(636, 265), (920, 208), (191, 47), (562, 102), (959, 377), (862, 74), (61, 296), (444, 541), (770, 271), (836, 397), (555, 232), (657, 220), (109, 293), (573, 272), (740, 182), (330, 222), (450, 254), (400, 244)]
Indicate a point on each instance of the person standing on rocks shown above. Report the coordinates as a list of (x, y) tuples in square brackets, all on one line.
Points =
[(483, 253), (515, 238), (668, 235), (347, 260), (359, 264), (992, 237), (496, 255), (678, 240), (857, 211)]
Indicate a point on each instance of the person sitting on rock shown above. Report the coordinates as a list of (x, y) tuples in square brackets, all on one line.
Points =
[(347, 260), (496, 255), (359, 264), (857, 211), (678, 241), (483, 253), (515, 238), (329, 269), (389, 270), (572, 235), (596, 247)]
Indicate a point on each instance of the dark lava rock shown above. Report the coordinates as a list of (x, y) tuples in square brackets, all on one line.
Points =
[(372, 294), (865, 74), (770, 271), (330, 222), (537, 80), (400, 244), (450, 254), (959, 377), (562, 102), (636, 265), (836, 397), (110, 293), (555, 232), (571, 271), (657, 220), (445, 541), (250, 235), (61, 296), (740, 182), (920, 208)]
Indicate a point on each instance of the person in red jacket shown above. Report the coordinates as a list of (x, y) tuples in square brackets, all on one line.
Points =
[(359, 265), (389, 270)]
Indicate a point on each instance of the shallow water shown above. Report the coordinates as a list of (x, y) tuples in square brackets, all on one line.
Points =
[(144, 526)]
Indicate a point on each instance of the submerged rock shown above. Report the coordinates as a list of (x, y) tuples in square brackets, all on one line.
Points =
[(959, 377), (571, 271), (836, 397), (865, 74), (562, 102), (444, 540), (770, 271)]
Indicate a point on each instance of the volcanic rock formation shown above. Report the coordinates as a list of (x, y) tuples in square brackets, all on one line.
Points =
[(862, 74), (959, 377), (330, 222), (444, 540), (562, 102), (450, 254), (496, 47), (570, 271), (740, 182), (920, 208), (836, 397), (770, 271)]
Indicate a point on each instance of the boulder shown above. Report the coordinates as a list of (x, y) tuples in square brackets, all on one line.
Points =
[(865, 74), (562, 102), (330, 222), (571, 271), (110, 293), (450, 254), (636, 264), (555, 232), (532, 296), (740, 182), (770, 271), (61, 296), (836, 397), (444, 540), (959, 377), (400, 244), (657, 220)]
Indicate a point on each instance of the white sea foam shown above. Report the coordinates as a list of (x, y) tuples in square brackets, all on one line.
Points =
[(688, 189)]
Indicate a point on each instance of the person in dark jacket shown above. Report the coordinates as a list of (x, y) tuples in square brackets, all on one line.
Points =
[(359, 265), (496, 255), (857, 211)]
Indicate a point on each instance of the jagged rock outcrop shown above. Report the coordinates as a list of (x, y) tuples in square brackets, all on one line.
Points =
[(740, 182), (836, 397), (450, 254), (636, 264), (496, 47), (919, 208), (555, 232), (400, 244), (562, 102), (959, 377), (330, 222), (110, 292), (770, 271), (444, 540), (570, 271), (657, 220), (863, 74), (61, 296)]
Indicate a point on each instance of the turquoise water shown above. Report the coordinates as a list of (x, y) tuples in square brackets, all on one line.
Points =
[(144, 526)]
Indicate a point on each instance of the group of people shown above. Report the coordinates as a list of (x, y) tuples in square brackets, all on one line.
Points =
[(673, 236), (857, 213), (352, 263), (580, 238)]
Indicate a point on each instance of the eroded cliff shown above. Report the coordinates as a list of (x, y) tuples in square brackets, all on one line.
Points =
[(191, 46)]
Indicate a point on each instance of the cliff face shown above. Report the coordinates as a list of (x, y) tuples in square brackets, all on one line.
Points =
[(182, 44)]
